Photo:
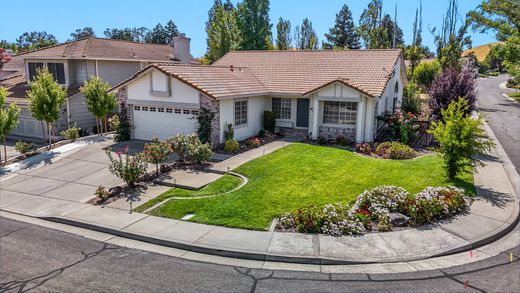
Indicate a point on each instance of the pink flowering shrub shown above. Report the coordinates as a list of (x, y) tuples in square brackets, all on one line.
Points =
[(156, 152), (128, 168), (4, 57)]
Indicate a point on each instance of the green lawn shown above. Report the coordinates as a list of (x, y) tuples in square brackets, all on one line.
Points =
[(300, 175), (515, 95)]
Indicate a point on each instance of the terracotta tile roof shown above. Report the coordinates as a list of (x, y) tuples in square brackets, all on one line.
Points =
[(97, 48), (214, 81), (301, 72)]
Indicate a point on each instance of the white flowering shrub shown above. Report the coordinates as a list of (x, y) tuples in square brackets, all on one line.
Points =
[(373, 207), (339, 219), (435, 203)]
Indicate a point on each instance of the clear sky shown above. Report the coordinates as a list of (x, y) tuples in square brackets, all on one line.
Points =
[(61, 17)]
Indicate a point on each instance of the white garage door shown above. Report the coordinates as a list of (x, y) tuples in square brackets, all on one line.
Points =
[(162, 122)]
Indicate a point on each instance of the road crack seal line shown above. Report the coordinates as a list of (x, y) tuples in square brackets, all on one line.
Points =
[(23, 285), (255, 279), (12, 232)]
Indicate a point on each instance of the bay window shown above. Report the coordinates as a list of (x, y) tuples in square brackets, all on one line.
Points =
[(339, 113)]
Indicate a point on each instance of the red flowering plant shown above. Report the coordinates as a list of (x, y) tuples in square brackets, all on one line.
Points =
[(156, 152), (4, 57), (401, 125), (128, 168), (253, 142)]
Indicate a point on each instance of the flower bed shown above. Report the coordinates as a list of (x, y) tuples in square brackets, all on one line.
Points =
[(378, 209), (387, 150)]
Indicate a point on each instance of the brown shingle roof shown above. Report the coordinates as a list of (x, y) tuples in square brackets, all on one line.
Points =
[(301, 72), (96, 48), (17, 92), (214, 81)]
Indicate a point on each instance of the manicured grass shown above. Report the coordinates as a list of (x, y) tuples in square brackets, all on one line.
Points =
[(300, 175), (226, 183), (515, 96)]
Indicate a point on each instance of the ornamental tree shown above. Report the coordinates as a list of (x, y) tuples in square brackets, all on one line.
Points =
[(8, 118), (449, 86), (99, 102), (45, 99), (461, 138), (156, 152)]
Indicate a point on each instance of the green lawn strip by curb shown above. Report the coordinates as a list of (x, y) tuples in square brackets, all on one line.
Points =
[(300, 175)]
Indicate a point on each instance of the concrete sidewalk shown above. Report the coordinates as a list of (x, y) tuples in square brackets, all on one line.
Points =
[(493, 214)]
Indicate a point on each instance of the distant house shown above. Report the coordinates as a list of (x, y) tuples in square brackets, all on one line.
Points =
[(312, 93), (71, 64)]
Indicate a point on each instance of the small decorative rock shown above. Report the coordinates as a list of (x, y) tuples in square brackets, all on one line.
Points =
[(398, 219)]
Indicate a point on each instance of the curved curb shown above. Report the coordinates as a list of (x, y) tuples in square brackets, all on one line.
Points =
[(244, 182)]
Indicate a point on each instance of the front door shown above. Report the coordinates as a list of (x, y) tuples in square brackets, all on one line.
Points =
[(302, 113)]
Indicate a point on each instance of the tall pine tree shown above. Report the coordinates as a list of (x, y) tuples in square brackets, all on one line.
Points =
[(254, 25), (343, 34), (306, 36), (283, 34), (389, 27), (370, 28)]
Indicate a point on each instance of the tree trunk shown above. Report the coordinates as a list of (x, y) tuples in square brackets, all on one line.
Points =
[(97, 125), (49, 133), (106, 123)]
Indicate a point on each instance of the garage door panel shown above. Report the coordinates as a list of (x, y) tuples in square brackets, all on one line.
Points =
[(161, 124)]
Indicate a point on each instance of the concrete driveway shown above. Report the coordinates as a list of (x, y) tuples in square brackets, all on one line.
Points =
[(73, 176)]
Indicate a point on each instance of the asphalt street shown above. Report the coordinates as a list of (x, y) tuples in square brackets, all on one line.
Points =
[(503, 116), (38, 259)]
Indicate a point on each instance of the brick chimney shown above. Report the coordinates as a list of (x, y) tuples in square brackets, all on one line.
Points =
[(181, 48)]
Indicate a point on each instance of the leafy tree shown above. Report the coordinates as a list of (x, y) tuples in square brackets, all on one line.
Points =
[(461, 138), (135, 34), (449, 86), (4, 57), (495, 57), (451, 41), (389, 27), (171, 31), (35, 40), (222, 30), (98, 101), (156, 152), (307, 37), (254, 25), (425, 73), (8, 118), (8, 46), (501, 16), (46, 97), (283, 34), (370, 28), (82, 33), (411, 100), (343, 34)]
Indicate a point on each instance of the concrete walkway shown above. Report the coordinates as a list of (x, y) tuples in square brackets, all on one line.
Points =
[(492, 215)]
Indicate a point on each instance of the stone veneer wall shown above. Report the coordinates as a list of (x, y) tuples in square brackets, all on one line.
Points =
[(213, 106), (331, 132)]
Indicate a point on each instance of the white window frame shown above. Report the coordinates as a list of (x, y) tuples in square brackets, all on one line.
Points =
[(283, 110), (343, 114), (240, 121)]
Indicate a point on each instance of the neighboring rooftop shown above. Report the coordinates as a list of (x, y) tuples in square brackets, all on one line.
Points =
[(300, 72), (104, 49)]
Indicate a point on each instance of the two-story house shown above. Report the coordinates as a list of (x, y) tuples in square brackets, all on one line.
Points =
[(72, 63)]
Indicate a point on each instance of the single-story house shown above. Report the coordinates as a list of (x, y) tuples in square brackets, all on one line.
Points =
[(312, 93)]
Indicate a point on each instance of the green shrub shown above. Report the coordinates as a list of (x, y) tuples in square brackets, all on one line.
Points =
[(205, 121), (71, 133), (200, 152), (261, 133), (231, 146), (425, 73), (230, 132), (128, 168), (113, 123), (342, 141), (180, 144), (395, 150), (102, 192), (461, 138), (322, 140), (123, 132), (411, 100), (156, 152), (269, 121), (435, 203), (24, 148), (365, 148)]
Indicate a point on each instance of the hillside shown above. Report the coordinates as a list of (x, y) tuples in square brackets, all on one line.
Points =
[(481, 51)]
